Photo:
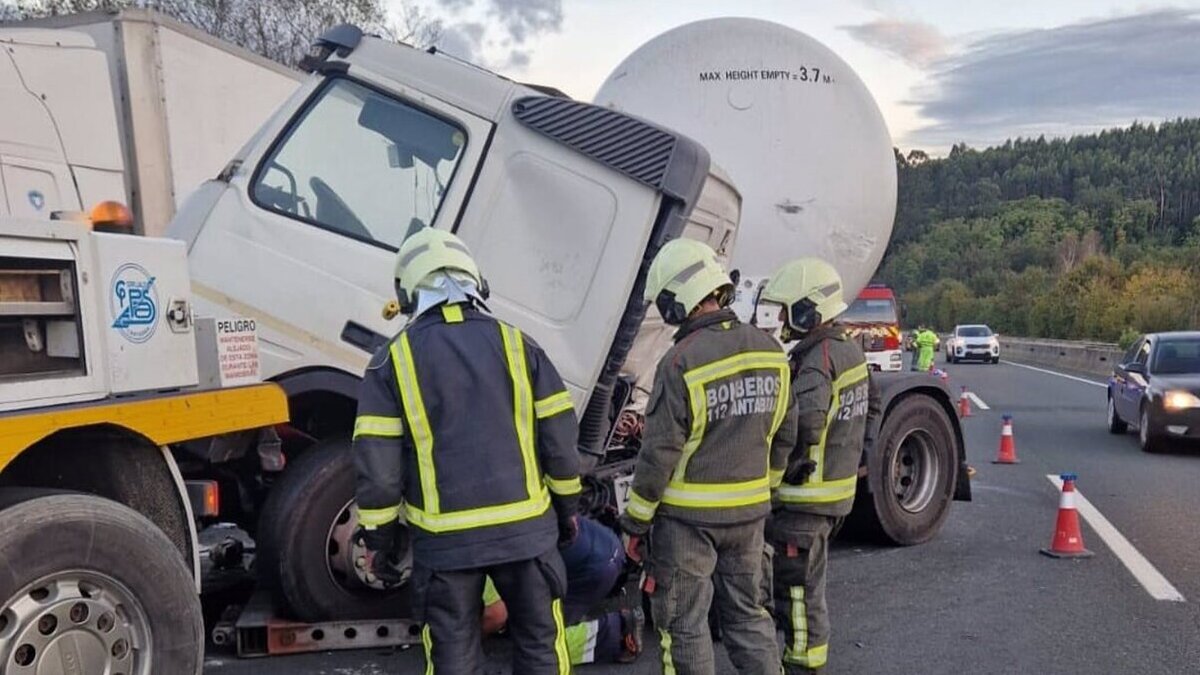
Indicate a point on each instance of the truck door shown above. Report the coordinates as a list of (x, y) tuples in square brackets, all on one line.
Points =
[(318, 219)]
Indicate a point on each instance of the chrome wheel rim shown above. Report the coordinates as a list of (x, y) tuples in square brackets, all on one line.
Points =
[(75, 621)]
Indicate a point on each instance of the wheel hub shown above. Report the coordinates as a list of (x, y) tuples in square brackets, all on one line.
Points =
[(74, 622), (915, 471), (346, 558)]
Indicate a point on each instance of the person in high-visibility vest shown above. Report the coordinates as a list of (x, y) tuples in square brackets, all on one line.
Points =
[(466, 431), (836, 407), (719, 426), (926, 342)]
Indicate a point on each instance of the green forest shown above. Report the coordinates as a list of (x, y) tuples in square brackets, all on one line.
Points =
[(1092, 237)]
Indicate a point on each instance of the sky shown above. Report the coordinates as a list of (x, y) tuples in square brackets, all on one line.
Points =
[(942, 71)]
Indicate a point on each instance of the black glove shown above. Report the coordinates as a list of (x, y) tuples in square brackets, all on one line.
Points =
[(800, 473), (381, 558), (568, 530), (382, 538)]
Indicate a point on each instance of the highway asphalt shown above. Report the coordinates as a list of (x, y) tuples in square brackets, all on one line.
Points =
[(979, 598)]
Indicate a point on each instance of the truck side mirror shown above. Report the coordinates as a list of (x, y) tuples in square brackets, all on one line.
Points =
[(1135, 367)]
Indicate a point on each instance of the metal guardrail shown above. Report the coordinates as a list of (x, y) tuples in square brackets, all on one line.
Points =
[(1091, 358)]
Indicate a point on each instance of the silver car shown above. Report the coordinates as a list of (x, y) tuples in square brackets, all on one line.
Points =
[(976, 342)]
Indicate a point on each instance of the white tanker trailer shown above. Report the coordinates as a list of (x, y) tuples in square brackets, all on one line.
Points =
[(793, 126)]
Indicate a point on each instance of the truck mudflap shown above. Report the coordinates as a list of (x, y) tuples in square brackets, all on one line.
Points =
[(893, 386)]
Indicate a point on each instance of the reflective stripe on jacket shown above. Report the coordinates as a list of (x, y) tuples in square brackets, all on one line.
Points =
[(835, 401), (465, 427), (719, 425)]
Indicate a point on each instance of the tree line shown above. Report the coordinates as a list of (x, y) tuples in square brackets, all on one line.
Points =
[(1092, 237)]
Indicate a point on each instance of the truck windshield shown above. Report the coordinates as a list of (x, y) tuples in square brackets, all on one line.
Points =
[(870, 311), (362, 164), (974, 331)]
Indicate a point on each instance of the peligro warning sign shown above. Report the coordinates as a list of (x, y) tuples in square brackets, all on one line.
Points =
[(237, 352)]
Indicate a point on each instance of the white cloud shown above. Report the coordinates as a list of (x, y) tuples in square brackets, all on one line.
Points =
[(918, 43)]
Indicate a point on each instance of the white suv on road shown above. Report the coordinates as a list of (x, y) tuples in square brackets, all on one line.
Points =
[(975, 341)]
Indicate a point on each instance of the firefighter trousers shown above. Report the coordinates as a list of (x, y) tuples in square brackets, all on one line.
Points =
[(692, 565), (450, 604), (801, 543)]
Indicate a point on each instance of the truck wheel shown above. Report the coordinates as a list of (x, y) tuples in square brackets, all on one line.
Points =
[(911, 472), (306, 555), (95, 588)]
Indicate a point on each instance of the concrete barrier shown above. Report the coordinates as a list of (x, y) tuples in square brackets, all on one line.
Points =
[(1090, 358)]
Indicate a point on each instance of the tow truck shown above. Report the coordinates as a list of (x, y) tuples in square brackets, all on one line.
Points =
[(105, 373)]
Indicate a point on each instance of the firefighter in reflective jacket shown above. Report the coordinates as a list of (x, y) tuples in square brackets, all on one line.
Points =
[(719, 426), (465, 431), (836, 404)]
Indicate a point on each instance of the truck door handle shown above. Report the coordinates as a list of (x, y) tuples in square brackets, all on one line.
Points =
[(362, 337)]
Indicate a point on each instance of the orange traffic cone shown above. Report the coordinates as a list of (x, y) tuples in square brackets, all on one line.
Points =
[(1068, 539), (964, 404), (1008, 449)]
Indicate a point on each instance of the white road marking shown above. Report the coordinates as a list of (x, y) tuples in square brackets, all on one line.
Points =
[(1147, 575), (1051, 372), (978, 401)]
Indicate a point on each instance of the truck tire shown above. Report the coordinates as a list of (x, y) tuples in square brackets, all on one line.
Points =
[(91, 580), (911, 472), (305, 556)]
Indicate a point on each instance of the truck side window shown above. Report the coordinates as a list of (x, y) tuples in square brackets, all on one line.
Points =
[(362, 164)]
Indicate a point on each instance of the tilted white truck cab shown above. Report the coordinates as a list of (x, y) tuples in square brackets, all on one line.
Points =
[(562, 202)]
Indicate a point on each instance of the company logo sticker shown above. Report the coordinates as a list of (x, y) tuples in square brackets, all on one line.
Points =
[(134, 303), (36, 199)]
